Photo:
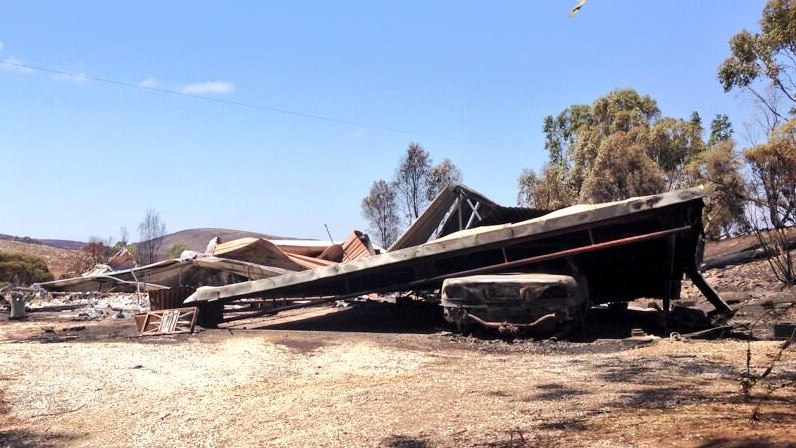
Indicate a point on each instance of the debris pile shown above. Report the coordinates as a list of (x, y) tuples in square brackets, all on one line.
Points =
[(610, 253), (91, 305), (230, 262)]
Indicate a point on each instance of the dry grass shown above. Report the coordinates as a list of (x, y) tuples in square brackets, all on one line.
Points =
[(304, 388), (295, 385)]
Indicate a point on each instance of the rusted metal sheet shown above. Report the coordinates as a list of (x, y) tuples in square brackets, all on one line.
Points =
[(309, 262), (357, 246), (259, 251), (296, 255), (169, 298), (308, 248), (122, 259), (333, 253)]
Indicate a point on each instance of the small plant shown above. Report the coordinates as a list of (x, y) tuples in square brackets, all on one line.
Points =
[(750, 380), (776, 244), (175, 250), (23, 270)]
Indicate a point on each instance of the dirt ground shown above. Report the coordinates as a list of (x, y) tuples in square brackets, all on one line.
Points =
[(377, 376)]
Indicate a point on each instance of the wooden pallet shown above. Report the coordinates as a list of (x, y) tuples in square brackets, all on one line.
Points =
[(171, 321)]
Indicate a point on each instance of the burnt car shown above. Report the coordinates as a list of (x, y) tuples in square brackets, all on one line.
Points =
[(536, 304)]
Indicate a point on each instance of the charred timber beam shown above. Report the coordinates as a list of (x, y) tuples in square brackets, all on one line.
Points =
[(669, 292), (723, 310), (276, 310)]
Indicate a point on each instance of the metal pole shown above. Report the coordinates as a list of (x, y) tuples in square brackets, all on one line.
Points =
[(329, 233)]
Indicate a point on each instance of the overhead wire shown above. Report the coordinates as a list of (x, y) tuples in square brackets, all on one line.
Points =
[(238, 103)]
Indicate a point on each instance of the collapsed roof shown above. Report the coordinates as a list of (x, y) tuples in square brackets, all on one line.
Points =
[(456, 208), (231, 262), (639, 247)]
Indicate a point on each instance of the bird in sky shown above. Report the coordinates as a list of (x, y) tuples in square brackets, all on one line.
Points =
[(577, 8)]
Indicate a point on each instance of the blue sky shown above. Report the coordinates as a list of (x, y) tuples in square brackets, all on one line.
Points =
[(468, 80)]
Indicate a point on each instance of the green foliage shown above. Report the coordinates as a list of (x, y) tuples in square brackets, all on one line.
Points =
[(769, 55), (117, 246), (27, 240), (773, 167), (720, 130), (175, 250), (550, 191), (560, 133), (719, 170), (623, 110), (617, 147), (623, 169), (23, 270), (671, 144)]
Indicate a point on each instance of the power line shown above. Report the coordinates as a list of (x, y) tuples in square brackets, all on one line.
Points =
[(238, 103)]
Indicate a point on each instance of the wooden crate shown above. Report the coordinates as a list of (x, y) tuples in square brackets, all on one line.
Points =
[(171, 321)]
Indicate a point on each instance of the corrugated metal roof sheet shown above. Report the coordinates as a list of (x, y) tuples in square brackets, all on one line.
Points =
[(357, 246), (458, 207), (427, 264)]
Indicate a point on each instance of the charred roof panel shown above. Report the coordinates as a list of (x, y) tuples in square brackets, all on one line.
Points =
[(458, 207), (652, 231)]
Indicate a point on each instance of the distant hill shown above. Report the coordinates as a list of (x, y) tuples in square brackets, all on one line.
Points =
[(58, 260), (64, 244), (59, 253), (61, 244), (197, 239)]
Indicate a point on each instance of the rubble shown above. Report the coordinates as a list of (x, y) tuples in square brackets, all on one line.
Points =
[(231, 262), (637, 248), (615, 253)]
